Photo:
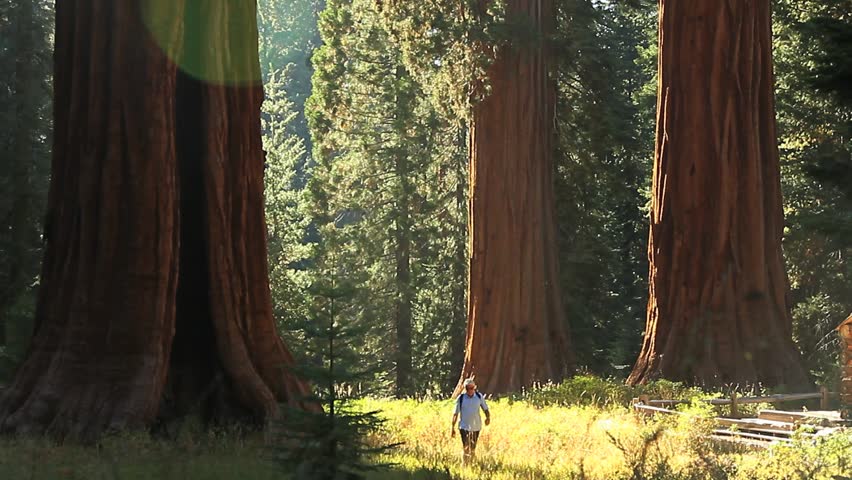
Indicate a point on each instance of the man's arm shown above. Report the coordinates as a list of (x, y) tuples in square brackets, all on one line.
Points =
[(453, 426), (487, 412)]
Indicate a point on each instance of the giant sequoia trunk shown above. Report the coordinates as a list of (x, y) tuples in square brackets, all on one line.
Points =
[(516, 331), (718, 309), (154, 298)]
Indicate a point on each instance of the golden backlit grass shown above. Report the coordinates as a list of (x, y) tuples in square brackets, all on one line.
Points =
[(526, 441), (588, 442)]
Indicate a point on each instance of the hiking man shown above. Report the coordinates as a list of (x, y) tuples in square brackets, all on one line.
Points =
[(467, 407)]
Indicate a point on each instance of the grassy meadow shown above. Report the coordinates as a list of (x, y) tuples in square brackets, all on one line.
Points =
[(578, 430), (594, 442)]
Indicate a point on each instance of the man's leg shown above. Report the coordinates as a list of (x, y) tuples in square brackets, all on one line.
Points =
[(472, 439), (466, 445)]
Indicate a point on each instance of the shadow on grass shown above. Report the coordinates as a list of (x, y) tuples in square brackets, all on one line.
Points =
[(132, 457), (429, 467)]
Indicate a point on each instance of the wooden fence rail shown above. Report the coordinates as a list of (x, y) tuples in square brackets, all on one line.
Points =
[(770, 426), (823, 396)]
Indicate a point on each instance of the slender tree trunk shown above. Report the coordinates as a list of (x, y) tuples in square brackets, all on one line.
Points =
[(402, 236), (457, 327), (718, 310), (404, 288), (516, 332), (154, 298)]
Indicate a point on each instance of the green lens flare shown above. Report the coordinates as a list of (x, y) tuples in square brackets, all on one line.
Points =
[(214, 41)]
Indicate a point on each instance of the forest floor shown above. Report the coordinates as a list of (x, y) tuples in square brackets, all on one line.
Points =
[(528, 439)]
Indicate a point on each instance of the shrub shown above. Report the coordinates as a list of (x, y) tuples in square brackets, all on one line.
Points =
[(595, 391)]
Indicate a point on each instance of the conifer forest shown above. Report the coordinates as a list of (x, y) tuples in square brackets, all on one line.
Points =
[(285, 239)]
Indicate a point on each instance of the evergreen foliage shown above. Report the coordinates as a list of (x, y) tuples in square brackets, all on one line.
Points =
[(25, 94), (332, 441), (815, 127), (288, 36), (604, 124), (288, 223), (390, 176)]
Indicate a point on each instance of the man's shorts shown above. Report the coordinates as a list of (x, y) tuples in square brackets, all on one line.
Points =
[(469, 438)]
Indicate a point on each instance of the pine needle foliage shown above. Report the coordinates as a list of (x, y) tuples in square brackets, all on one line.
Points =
[(331, 441)]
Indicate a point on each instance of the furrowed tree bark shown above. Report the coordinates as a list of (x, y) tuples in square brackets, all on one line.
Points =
[(718, 311), (516, 332), (154, 299)]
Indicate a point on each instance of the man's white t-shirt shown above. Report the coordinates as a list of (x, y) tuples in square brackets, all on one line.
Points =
[(467, 407)]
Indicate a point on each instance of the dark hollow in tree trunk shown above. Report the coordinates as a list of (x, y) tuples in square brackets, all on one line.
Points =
[(718, 311), (154, 298), (516, 332)]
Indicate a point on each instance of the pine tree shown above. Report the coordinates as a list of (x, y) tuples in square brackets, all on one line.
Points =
[(288, 36), (379, 146), (287, 218), (331, 442), (604, 130), (815, 128)]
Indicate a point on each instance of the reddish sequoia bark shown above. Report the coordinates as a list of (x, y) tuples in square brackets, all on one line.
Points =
[(718, 310), (154, 296), (516, 331)]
